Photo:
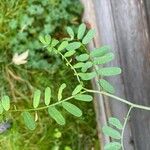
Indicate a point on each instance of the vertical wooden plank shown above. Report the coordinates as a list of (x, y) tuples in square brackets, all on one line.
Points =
[(106, 27), (134, 46)]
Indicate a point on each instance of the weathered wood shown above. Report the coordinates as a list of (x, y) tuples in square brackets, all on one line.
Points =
[(107, 35), (133, 42), (125, 26)]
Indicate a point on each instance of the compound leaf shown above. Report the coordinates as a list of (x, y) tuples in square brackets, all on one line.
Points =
[(56, 115), (47, 96), (72, 109), (81, 31), (83, 97), (111, 132), (36, 98), (109, 71), (89, 36), (28, 120), (60, 91), (106, 86), (6, 102), (112, 146), (115, 122)]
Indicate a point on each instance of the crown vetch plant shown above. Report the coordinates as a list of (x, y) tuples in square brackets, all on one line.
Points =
[(85, 66)]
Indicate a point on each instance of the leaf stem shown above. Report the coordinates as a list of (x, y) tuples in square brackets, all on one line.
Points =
[(119, 99), (44, 107), (75, 72), (124, 126)]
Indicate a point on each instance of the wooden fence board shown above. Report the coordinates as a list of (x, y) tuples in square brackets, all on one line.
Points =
[(125, 26)]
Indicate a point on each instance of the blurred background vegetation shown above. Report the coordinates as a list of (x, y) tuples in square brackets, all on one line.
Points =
[(21, 23)]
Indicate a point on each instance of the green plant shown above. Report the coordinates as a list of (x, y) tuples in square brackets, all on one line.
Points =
[(85, 66), (21, 21)]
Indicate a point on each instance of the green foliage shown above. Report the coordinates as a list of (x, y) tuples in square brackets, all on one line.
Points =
[(72, 109), (28, 120), (77, 89), (56, 115), (89, 36), (62, 87), (5, 102), (36, 98), (47, 96), (112, 146), (113, 133), (106, 86), (115, 122), (83, 97), (81, 31)]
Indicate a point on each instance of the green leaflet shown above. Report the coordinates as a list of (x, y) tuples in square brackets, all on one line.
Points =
[(42, 40), (78, 65), (36, 98), (54, 42), (47, 39), (89, 36), (1, 108), (104, 59), (69, 53), (84, 97), (115, 122), (98, 52), (106, 86), (47, 96), (87, 76), (5, 102), (73, 46), (70, 32), (56, 115), (63, 45), (72, 109), (28, 120), (112, 146), (77, 89), (109, 71), (111, 132), (86, 66), (82, 57), (60, 91), (81, 31)]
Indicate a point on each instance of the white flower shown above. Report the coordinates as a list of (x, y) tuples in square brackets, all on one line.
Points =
[(20, 59)]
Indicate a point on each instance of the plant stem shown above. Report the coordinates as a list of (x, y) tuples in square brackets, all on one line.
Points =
[(119, 99), (124, 126), (44, 107), (76, 74)]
